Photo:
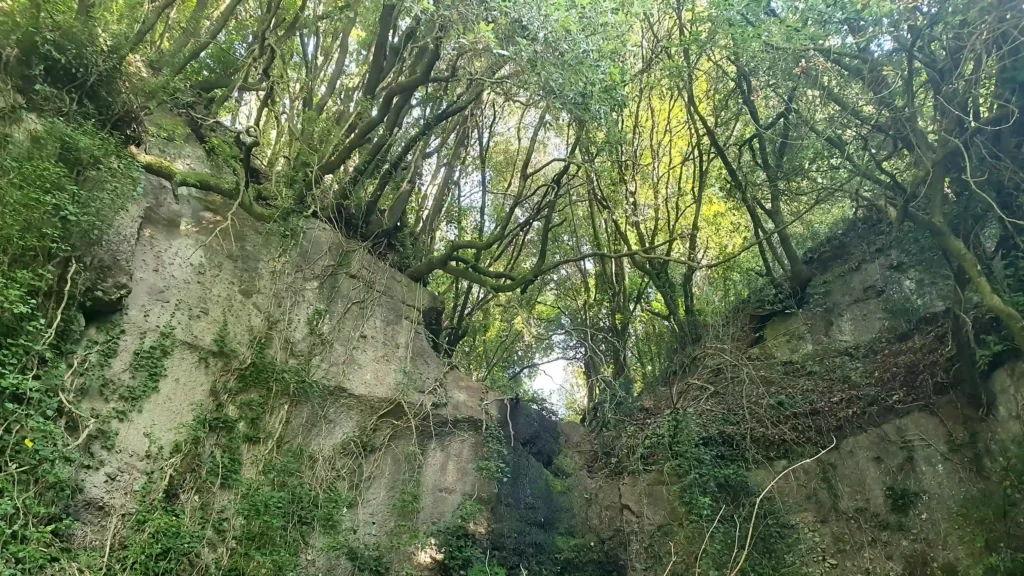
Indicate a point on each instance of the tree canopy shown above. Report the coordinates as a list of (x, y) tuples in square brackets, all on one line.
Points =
[(581, 179)]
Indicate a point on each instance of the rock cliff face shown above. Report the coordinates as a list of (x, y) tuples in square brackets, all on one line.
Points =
[(916, 495), (207, 294), (224, 347), (917, 484)]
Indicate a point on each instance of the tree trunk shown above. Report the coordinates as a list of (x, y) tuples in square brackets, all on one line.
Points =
[(83, 11), (338, 70), (188, 34), (959, 253), (799, 275), (208, 37), (976, 390), (147, 25)]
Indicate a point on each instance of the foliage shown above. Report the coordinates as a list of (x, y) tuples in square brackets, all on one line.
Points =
[(160, 540), (534, 526), (592, 181), (485, 570), (1003, 563), (35, 494), (148, 367), (67, 66), (467, 550), (711, 470), (365, 557), (608, 184), (277, 510), (273, 508), (61, 186), (460, 546), (63, 183), (992, 512), (274, 513), (709, 480), (902, 501), (493, 465)]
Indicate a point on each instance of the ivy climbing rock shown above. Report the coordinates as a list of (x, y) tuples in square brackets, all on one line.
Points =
[(296, 339)]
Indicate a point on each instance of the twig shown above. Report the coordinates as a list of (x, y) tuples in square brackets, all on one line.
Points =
[(72, 408), (757, 503), (736, 542), (511, 434), (88, 426), (696, 570), (483, 413), (67, 288), (14, 471), (227, 223), (110, 537), (672, 547), (81, 438)]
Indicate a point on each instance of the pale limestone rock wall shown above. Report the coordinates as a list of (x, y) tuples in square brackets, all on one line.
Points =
[(635, 503), (868, 292), (846, 504), (189, 259), (896, 498)]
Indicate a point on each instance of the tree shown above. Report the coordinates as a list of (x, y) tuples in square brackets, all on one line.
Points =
[(598, 163)]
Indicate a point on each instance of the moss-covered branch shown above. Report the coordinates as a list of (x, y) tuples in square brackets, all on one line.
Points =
[(954, 249), (202, 181)]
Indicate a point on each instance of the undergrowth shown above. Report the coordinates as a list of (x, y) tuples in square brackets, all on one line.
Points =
[(62, 184), (493, 465), (66, 66), (234, 499), (533, 523), (992, 513), (234, 496), (709, 481), (148, 367)]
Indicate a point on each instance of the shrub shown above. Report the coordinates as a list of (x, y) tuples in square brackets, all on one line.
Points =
[(61, 186)]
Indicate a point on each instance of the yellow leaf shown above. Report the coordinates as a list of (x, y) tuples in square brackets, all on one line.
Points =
[(29, 443)]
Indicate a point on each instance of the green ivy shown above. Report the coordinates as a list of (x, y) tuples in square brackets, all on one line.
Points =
[(460, 546), (159, 540), (493, 465), (62, 184), (148, 367), (992, 512), (710, 476)]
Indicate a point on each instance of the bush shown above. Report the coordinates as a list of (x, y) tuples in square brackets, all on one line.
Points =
[(461, 548), (61, 186), (710, 469), (68, 68), (993, 512), (710, 474)]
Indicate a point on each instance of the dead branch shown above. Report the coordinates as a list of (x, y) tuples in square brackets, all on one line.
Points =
[(757, 504)]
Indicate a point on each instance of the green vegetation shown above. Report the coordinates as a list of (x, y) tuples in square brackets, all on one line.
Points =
[(993, 512), (461, 547), (902, 501), (262, 533), (62, 183), (711, 483), (645, 191), (494, 463), (273, 508), (656, 165), (148, 367)]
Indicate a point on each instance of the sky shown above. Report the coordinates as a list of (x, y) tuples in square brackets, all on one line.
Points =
[(549, 382)]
